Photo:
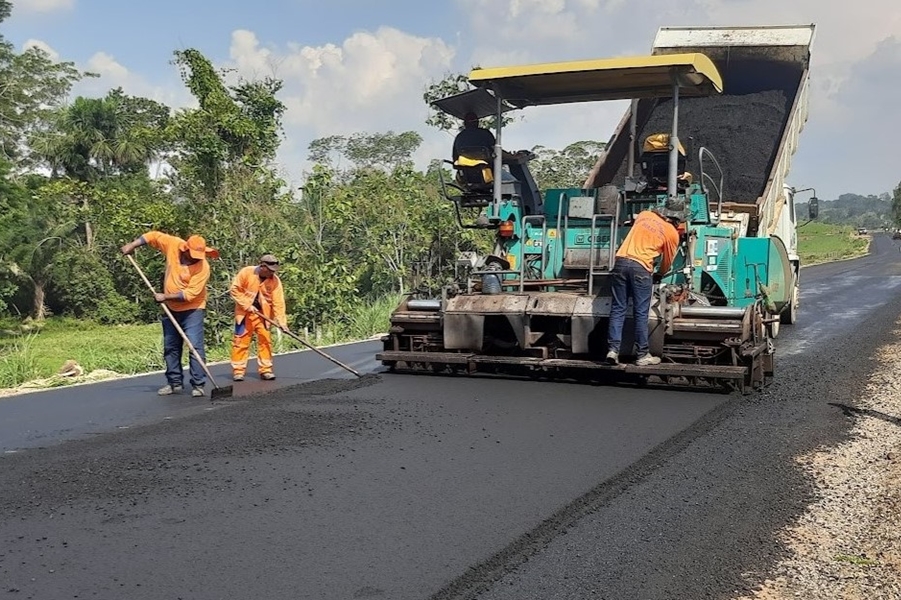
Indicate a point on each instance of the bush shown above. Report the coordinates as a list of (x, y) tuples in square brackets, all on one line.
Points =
[(81, 286)]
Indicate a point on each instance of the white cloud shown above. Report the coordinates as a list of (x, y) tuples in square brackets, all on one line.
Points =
[(112, 74), (106, 66), (43, 6), (372, 81), (41, 45), (370, 78)]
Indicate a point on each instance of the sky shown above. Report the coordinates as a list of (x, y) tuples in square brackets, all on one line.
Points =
[(362, 65)]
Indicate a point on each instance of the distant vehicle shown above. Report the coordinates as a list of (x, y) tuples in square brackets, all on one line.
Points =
[(861, 231), (896, 235)]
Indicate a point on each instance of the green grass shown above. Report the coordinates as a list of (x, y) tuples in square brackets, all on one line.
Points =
[(822, 242), (125, 349), (30, 352), (856, 560)]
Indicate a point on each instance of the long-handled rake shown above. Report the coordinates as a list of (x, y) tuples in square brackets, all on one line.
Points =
[(293, 335)]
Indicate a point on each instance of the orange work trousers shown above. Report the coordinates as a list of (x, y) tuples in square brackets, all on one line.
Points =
[(244, 331)]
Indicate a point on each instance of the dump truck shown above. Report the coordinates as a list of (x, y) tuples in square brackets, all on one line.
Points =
[(713, 123), (753, 128)]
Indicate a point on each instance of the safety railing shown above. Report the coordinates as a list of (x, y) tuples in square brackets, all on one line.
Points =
[(611, 256), (706, 177)]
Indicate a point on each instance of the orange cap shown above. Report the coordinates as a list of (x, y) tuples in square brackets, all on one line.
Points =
[(197, 248)]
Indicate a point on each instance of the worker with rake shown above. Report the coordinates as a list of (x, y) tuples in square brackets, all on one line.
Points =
[(259, 299), (183, 298)]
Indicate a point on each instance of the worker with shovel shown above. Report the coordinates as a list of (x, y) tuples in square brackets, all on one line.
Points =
[(259, 299), (183, 297)]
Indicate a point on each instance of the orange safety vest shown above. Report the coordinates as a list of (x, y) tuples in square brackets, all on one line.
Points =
[(651, 236), (247, 287), (190, 280)]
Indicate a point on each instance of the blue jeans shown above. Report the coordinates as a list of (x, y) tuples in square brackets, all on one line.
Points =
[(191, 321), (630, 278)]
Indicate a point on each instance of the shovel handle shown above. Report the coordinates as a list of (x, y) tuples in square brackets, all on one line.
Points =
[(288, 332), (174, 322)]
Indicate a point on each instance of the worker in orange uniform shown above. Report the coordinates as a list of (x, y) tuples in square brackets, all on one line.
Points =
[(653, 235), (184, 292), (256, 289)]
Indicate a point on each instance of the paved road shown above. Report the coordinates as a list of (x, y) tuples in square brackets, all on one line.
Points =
[(41, 418), (435, 487)]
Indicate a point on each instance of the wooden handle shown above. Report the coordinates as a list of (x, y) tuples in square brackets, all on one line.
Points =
[(307, 344)]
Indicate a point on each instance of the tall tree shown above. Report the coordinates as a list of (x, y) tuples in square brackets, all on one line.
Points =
[(234, 125), (386, 151), (96, 138), (565, 168), (32, 85), (33, 232)]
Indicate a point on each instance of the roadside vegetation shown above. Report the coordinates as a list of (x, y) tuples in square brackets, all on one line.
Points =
[(824, 242)]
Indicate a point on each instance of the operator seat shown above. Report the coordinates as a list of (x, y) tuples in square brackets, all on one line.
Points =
[(474, 168), (475, 174), (655, 163)]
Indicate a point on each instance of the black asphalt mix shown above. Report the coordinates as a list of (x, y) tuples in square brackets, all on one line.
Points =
[(398, 486)]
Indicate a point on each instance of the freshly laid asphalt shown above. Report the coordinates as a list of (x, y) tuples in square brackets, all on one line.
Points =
[(401, 486)]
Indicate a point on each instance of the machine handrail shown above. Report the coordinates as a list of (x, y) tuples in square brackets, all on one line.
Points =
[(706, 177), (453, 199), (456, 200), (591, 248)]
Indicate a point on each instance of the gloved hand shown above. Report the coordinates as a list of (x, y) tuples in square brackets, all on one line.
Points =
[(252, 310), (657, 277)]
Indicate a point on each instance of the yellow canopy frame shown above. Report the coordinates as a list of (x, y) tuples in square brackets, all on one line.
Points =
[(601, 79)]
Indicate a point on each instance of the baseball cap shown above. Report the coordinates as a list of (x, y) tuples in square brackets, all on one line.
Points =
[(197, 248), (270, 261)]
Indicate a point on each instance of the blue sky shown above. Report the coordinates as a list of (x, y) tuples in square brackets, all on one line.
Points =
[(361, 65)]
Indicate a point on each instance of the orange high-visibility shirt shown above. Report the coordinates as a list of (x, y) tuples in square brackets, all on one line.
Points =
[(248, 286), (651, 236), (190, 280)]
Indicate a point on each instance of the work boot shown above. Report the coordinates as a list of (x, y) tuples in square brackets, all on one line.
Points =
[(613, 357), (238, 377), (197, 392), (647, 360), (168, 390), (267, 376)]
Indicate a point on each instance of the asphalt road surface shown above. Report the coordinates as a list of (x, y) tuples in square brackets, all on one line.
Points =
[(401, 486)]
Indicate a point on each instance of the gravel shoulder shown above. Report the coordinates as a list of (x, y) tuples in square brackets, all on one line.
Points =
[(847, 544)]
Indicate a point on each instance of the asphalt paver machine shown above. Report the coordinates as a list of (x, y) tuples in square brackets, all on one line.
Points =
[(538, 304)]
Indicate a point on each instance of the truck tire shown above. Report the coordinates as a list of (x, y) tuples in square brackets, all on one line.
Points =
[(790, 315)]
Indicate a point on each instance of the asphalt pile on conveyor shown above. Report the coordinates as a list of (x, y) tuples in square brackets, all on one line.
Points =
[(742, 132)]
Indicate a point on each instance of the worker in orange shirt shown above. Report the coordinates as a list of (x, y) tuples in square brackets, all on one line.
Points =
[(184, 292), (256, 289), (653, 234)]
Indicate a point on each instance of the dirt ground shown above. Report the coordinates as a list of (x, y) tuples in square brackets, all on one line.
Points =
[(848, 544)]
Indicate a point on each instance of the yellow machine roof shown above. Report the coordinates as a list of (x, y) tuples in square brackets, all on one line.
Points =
[(602, 79)]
